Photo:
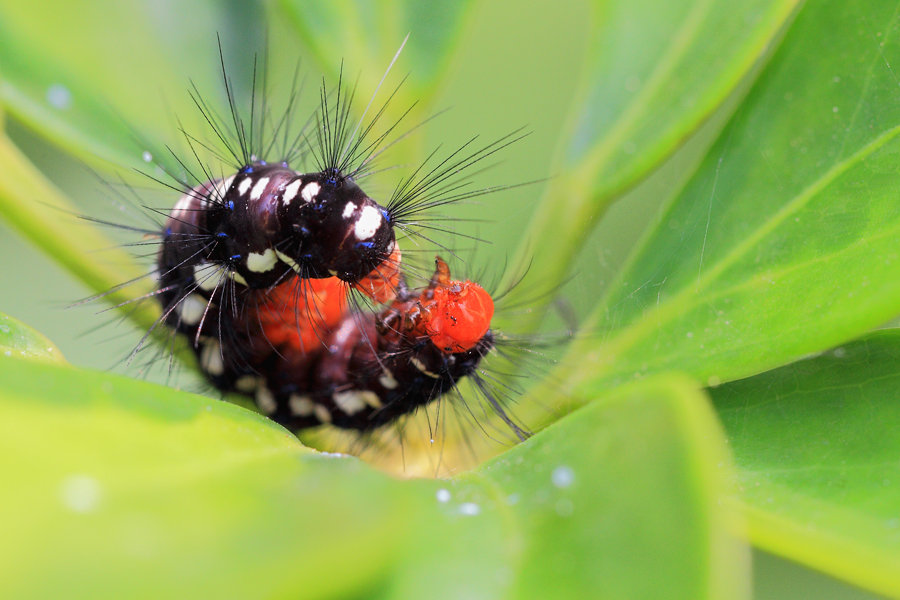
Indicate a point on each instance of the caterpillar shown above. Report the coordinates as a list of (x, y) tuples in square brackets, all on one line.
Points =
[(259, 268)]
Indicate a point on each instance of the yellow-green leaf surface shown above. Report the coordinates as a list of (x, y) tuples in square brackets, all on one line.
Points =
[(655, 72), (126, 489), (117, 488), (623, 498), (818, 459), (19, 340), (784, 242)]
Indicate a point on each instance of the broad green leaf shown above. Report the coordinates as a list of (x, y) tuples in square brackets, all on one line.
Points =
[(784, 242), (122, 488), (818, 458), (117, 488), (620, 499), (104, 80), (655, 72), (19, 340)]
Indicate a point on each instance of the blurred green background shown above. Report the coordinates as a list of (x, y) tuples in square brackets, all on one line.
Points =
[(515, 67)]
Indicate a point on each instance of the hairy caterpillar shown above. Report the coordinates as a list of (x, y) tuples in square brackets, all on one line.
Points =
[(258, 264)]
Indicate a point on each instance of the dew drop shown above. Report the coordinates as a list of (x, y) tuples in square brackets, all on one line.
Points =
[(80, 493), (562, 477), (59, 96), (470, 509)]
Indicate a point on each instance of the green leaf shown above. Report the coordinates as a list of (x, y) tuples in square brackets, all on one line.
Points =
[(784, 242), (655, 72), (621, 499), (818, 459), (123, 488), (82, 77), (20, 340), (118, 488)]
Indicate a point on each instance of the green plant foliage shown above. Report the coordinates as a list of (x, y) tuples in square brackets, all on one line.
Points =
[(141, 491), (779, 243), (21, 341), (819, 458)]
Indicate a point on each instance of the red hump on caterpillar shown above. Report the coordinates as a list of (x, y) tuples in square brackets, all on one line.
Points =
[(456, 315)]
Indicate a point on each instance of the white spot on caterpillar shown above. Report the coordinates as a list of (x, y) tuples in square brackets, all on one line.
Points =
[(289, 261), (443, 495), (348, 210), (367, 223), (211, 359), (146, 156), (191, 309), (261, 262), (387, 380), (265, 400), (354, 401), (238, 278), (59, 96), (301, 406), (80, 493), (258, 189), (290, 192), (206, 277), (222, 187), (421, 367), (244, 185), (309, 192), (322, 413), (247, 383)]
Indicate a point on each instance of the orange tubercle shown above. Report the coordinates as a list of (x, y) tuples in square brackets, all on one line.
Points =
[(381, 284), (458, 315), (299, 313)]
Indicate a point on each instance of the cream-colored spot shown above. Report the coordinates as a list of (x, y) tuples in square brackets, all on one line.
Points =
[(191, 309), (211, 359), (322, 413), (348, 210), (421, 367), (244, 185), (368, 223), (238, 278), (247, 383), (353, 401), (309, 192), (206, 276), (301, 406), (258, 188), (387, 380), (265, 400), (222, 187), (290, 192), (261, 262), (289, 261), (372, 399)]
